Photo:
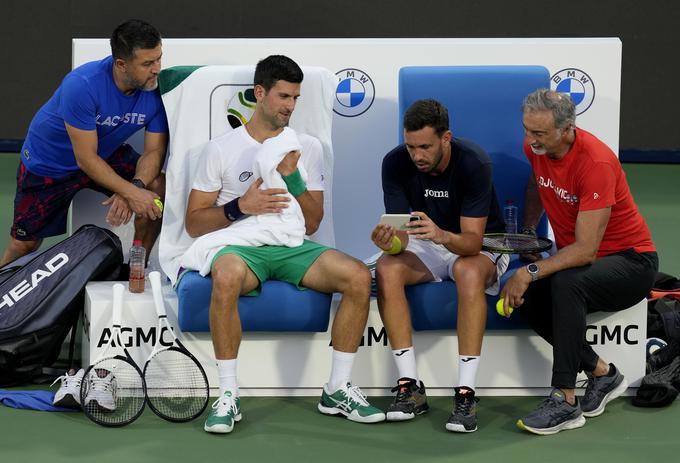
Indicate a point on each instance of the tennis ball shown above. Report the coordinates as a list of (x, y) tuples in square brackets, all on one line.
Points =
[(499, 308), (159, 203)]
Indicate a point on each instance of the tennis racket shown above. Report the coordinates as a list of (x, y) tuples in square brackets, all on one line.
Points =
[(176, 385), (113, 391), (515, 243)]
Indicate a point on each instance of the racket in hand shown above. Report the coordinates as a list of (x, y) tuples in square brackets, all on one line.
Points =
[(112, 392), (515, 243), (176, 385)]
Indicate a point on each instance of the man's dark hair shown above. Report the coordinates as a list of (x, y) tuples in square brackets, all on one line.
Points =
[(277, 67), (427, 113), (133, 34)]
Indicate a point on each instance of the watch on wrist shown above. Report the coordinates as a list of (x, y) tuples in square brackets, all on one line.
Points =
[(138, 183), (528, 231), (533, 271)]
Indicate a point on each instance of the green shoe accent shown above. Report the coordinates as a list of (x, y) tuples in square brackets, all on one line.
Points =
[(226, 410), (349, 401)]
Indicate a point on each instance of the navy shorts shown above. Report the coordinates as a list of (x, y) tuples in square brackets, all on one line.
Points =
[(41, 203)]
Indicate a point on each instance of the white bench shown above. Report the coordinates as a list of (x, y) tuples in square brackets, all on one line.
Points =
[(515, 362)]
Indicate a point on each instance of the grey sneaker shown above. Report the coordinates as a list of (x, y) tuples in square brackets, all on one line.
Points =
[(553, 415), (601, 390), (409, 402), (463, 418), (68, 394)]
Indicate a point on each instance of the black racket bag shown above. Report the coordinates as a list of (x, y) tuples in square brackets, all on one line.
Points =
[(42, 295)]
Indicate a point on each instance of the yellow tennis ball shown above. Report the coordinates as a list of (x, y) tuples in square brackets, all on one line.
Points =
[(159, 203), (499, 308)]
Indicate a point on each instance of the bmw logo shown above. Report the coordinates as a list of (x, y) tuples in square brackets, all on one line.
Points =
[(577, 84), (354, 94)]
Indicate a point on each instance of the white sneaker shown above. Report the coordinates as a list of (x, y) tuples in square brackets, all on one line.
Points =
[(68, 394), (102, 390)]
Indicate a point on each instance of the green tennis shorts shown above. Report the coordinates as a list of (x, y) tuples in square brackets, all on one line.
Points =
[(276, 262)]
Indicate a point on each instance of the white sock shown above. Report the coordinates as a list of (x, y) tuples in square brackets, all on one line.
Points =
[(226, 372), (467, 371), (406, 362), (341, 369)]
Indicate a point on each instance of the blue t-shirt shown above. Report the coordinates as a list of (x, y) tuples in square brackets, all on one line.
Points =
[(88, 99), (464, 189)]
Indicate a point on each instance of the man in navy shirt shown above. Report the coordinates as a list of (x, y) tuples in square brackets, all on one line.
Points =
[(76, 140), (446, 183)]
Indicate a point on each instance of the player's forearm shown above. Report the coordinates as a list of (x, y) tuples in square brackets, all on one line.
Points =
[(102, 174), (312, 210), (463, 244), (149, 165), (571, 256), (533, 207), (202, 221)]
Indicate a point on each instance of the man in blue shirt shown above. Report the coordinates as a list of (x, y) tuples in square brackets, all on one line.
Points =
[(446, 183), (76, 140)]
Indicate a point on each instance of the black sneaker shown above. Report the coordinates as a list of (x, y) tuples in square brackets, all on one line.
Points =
[(553, 415), (409, 402), (463, 418), (601, 390)]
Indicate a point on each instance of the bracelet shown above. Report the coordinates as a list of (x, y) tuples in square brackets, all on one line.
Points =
[(396, 246), (231, 210), (296, 186), (138, 183)]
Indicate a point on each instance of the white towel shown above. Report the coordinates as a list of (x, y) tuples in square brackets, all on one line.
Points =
[(189, 103), (277, 229)]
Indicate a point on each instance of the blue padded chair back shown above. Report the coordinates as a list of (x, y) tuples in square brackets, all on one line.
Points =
[(484, 104)]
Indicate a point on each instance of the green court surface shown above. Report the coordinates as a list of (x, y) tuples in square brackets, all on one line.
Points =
[(291, 430)]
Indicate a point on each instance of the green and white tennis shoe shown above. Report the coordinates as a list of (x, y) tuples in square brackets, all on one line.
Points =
[(226, 410), (349, 401)]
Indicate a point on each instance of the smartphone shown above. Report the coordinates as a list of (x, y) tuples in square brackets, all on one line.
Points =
[(398, 221)]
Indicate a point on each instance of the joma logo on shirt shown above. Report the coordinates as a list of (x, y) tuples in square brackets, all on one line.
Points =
[(436, 194), (128, 118)]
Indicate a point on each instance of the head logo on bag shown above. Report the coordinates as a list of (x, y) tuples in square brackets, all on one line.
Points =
[(24, 287)]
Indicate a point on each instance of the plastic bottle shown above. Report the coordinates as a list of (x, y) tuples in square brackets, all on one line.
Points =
[(137, 259), (510, 216)]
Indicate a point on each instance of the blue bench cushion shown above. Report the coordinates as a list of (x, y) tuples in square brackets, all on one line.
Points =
[(279, 307), (434, 306)]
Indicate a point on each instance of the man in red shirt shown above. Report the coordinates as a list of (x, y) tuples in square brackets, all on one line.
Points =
[(606, 260)]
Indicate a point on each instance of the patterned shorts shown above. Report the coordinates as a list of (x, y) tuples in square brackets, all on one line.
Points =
[(41, 203)]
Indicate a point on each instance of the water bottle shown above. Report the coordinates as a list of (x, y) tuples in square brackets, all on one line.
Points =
[(510, 216), (137, 259)]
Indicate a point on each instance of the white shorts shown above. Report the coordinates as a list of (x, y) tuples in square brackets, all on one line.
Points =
[(439, 261)]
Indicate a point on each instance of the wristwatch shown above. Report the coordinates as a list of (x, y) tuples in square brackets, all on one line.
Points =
[(138, 183), (533, 271)]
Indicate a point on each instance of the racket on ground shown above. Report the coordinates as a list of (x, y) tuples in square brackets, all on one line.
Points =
[(515, 243), (113, 392), (176, 385)]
